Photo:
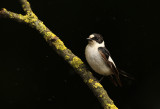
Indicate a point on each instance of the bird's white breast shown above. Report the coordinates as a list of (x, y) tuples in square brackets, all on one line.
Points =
[(96, 61)]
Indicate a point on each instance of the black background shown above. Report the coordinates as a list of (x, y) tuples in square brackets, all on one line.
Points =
[(32, 75)]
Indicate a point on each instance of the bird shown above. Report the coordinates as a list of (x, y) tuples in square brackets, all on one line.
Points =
[(99, 58)]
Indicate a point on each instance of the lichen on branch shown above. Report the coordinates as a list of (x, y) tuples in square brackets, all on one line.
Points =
[(58, 46)]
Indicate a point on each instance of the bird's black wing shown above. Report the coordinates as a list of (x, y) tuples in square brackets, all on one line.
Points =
[(104, 52), (105, 55), (115, 73)]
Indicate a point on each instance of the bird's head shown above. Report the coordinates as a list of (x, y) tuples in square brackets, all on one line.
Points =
[(95, 40)]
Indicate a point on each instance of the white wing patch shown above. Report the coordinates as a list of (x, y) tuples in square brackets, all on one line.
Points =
[(110, 59)]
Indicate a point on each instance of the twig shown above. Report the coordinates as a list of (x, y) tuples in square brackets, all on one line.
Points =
[(32, 20)]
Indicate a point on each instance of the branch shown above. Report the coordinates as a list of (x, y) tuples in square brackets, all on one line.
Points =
[(32, 20)]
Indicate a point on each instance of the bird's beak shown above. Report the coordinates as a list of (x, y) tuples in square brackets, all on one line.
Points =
[(89, 39)]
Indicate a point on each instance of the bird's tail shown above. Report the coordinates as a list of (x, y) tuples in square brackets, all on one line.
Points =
[(127, 75), (115, 81)]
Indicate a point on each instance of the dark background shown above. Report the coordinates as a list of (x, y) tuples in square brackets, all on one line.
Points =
[(32, 75)]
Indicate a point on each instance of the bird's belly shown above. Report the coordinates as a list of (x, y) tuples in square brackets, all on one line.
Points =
[(97, 63)]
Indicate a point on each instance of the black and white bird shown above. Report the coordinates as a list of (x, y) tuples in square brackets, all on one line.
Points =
[(99, 58)]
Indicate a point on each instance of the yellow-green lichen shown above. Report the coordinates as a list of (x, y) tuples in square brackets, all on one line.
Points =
[(101, 96), (76, 62), (90, 80), (33, 19), (80, 69), (11, 16), (49, 35), (26, 19), (28, 3), (41, 27), (59, 45), (66, 57), (4, 9), (21, 17), (23, 6), (111, 106), (29, 18), (96, 85)]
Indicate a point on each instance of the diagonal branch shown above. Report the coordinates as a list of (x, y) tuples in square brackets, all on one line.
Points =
[(32, 20)]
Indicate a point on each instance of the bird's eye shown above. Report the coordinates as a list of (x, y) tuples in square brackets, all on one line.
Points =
[(95, 38)]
